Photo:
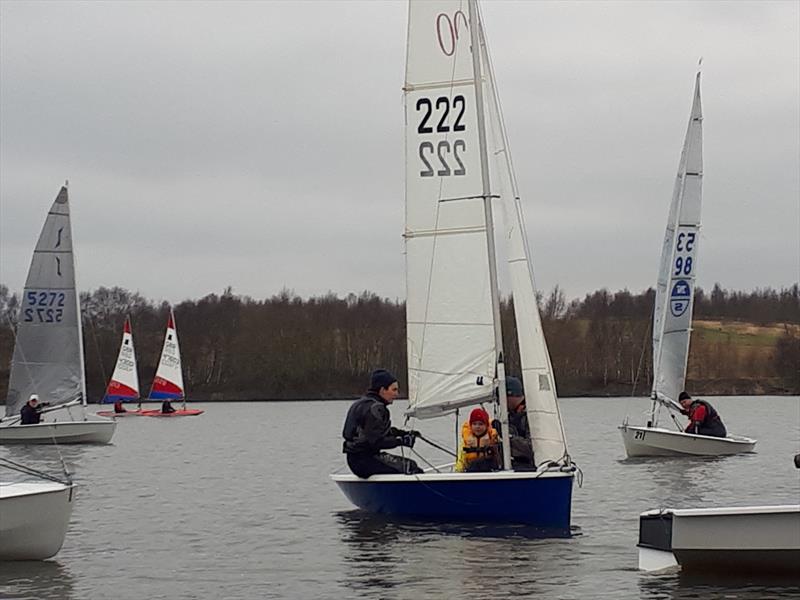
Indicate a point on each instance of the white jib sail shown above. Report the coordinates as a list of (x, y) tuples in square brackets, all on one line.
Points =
[(124, 382), (547, 431), (676, 279), (48, 352), (450, 327), (168, 382)]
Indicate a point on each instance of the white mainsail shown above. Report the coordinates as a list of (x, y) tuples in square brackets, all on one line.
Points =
[(168, 382), (672, 318), (450, 326), (48, 351), (124, 383)]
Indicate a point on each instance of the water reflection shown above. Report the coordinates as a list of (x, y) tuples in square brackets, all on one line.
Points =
[(681, 481), (36, 580), (382, 554), (680, 585)]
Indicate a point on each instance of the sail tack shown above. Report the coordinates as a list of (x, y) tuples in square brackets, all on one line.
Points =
[(168, 382), (124, 383), (678, 268), (47, 356)]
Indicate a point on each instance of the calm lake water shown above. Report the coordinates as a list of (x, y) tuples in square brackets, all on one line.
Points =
[(237, 503)]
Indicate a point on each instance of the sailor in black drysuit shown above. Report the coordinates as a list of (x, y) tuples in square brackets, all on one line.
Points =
[(368, 431), (30, 414), (703, 418)]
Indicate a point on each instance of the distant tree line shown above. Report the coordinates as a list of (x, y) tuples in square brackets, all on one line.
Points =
[(283, 347)]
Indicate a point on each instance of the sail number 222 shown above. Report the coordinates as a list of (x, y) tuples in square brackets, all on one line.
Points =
[(444, 158), (44, 307)]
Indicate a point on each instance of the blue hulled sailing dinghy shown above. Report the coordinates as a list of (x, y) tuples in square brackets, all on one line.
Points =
[(458, 173)]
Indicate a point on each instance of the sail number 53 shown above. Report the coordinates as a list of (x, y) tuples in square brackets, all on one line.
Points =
[(442, 159)]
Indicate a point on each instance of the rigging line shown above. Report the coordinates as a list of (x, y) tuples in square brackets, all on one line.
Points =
[(18, 346), (437, 446), (27, 470), (97, 346)]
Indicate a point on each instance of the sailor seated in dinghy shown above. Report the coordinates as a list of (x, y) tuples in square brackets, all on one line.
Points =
[(167, 408), (368, 430), (703, 419), (520, 441), (31, 412), (118, 408), (479, 449)]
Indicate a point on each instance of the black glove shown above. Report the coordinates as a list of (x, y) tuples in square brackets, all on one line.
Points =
[(415, 433), (407, 440)]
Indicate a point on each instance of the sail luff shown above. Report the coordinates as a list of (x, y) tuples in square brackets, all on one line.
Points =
[(678, 268), (84, 398)]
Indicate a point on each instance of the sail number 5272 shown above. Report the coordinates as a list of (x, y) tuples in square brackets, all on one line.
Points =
[(43, 307), (444, 158)]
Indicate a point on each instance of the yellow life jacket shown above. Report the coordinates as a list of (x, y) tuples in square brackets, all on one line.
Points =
[(472, 448)]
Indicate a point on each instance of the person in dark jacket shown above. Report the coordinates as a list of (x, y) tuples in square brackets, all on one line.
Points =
[(703, 418), (30, 412), (118, 408), (166, 407), (519, 428), (368, 431)]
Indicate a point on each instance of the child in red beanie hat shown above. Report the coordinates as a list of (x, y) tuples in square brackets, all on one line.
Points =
[(479, 448)]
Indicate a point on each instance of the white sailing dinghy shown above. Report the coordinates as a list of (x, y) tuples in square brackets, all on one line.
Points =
[(34, 515), (743, 540), (458, 171), (168, 382), (124, 383), (672, 319), (48, 349)]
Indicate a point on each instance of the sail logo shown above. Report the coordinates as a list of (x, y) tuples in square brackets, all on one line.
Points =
[(447, 30), (680, 297)]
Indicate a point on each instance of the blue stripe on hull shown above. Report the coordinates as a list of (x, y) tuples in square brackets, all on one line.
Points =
[(112, 399), (543, 502), (164, 396)]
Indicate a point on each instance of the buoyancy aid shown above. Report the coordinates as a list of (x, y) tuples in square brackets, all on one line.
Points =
[(711, 417), (473, 448)]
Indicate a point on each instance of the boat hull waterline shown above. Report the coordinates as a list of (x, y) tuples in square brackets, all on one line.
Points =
[(655, 441), (538, 499), (62, 432), (35, 517)]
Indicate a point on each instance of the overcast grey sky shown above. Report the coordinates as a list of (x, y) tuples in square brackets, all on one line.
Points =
[(260, 144)]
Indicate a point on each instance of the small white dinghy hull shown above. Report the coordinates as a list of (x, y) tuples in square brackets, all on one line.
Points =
[(746, 540), (656, 441), (33, 519), (61, 432)]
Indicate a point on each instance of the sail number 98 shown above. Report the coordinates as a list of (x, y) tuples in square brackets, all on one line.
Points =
[(685, 243), (43, 307), (444, 158)]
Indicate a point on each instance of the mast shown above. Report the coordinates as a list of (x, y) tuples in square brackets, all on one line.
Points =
[(78, 307), (490, 243)]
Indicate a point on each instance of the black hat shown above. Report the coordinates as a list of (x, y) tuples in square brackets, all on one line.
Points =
[(684, 396), (513, 386), (381, 378)]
